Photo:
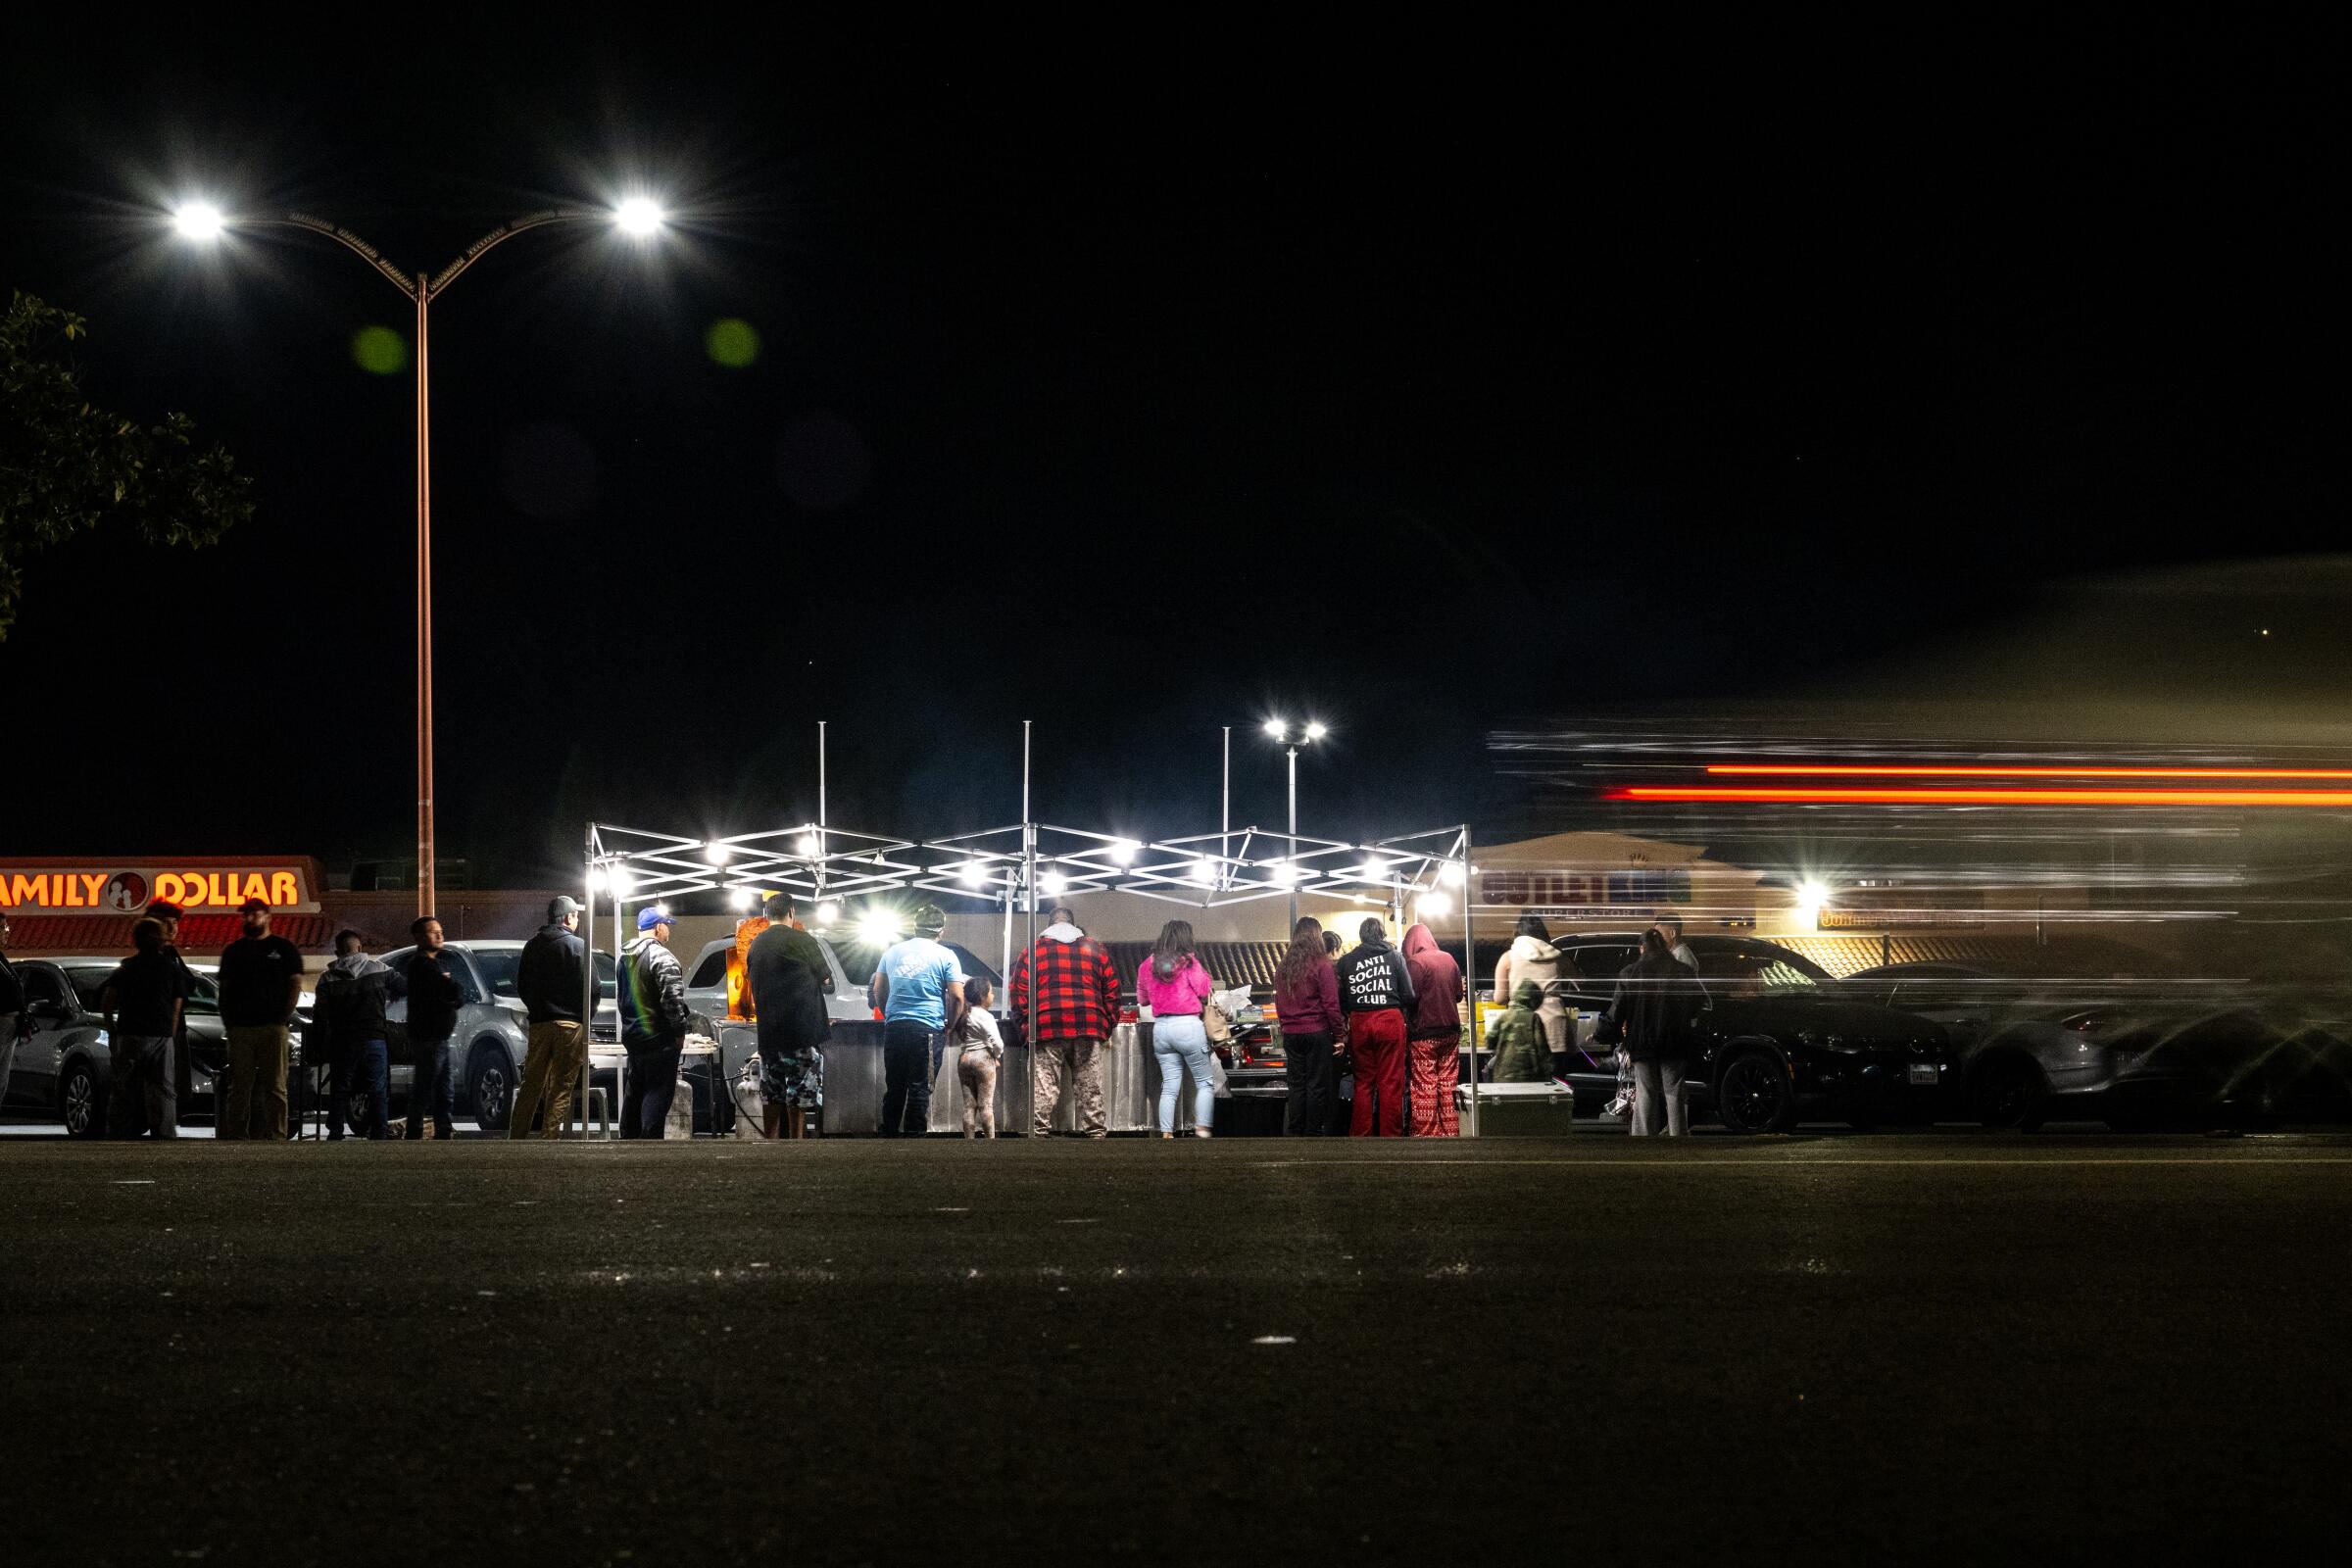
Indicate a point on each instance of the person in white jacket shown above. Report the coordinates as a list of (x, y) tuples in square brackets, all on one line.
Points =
[(1532, 957)]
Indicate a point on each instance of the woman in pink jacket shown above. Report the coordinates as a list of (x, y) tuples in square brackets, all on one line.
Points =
[(1175, 985), (1315, 1031)]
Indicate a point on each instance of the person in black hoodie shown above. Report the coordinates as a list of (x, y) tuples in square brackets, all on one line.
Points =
[(1376, 993), (350, 1006), (434, 992), (552, 979), (1657, 997)]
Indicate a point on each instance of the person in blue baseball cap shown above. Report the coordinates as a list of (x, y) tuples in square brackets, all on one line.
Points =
[(652, 1025)]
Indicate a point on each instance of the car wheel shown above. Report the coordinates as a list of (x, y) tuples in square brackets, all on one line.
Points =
[(2008, 1092), (81, 1101), (1754, 1094), (491, 1087)]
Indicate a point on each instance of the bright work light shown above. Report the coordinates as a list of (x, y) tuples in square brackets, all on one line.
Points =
[(198, 220)]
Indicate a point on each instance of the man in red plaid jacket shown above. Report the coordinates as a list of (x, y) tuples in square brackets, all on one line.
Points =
[(1075, 1008)]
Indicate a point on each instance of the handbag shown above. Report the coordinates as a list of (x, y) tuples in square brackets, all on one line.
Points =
[(1215, 1022)]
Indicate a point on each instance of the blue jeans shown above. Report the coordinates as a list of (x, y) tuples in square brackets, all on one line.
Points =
[(433, 1090), (911, 1055), (1180, 1045), (652, 1085), (366, 1063)]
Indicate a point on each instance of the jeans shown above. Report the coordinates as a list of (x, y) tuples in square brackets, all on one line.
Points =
[(432, 1090), (366, 1065), (1655, 1082), (910, 1057), (143, 1093), (1311, 1069), (652, 1085), (550, 1071), (1180, 1045)]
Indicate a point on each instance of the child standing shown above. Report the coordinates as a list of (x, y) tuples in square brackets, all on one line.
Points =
[(976, 1068)]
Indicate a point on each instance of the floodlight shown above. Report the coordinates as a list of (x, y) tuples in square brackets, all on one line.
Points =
[(828, 912), (1277, 728), (1315, 730), (640, 215), (741, 898), (1373, 870), (879, 928), (1125, 851), (973, 874), (1052, 882), (807, 844), (198, 220), (1436, 905), (1204, 872), (1450, 875), (717, 853)]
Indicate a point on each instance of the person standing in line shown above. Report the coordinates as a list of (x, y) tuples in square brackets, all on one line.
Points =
[(787, 978), (918, 989), (183, 1080), (15, 1022), (1432, 1037), (1315, 1031), (1522, 1052), (1332, 944), (1532, 957), (1066, 1000), (653, 1019), (1670, 926), (1176, 986), (1376, 991), (976, 1064), (350, 1006), (551, 981), (143, 1002), (1653, 1008), (261, 986), (435, 993)]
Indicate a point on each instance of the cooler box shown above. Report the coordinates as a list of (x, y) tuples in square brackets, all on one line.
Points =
[(1519, 1111)]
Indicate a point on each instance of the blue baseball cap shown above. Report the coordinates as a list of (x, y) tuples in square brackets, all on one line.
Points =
[(651, 917)]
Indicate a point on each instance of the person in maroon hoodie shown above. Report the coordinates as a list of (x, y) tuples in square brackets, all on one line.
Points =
[(1432, 1037), (1307, 1005)]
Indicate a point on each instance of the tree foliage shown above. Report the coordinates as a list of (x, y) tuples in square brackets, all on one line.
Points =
[(67, 465)]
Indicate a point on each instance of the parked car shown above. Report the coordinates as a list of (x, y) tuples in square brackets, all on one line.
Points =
[(65, 1067), (1778, 1040), (2138, 1053)]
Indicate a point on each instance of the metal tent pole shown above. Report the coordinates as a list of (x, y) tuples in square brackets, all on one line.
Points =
[(1029, 888), (588, 983), (1470, 971)]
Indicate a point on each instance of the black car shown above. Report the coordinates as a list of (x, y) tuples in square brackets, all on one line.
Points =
[(1778, 1040)]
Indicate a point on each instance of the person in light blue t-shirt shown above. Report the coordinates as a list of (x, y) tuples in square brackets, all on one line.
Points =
[(918, 988)]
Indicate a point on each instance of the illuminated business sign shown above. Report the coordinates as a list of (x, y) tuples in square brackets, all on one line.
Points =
[(107, 887), (1640, 888)]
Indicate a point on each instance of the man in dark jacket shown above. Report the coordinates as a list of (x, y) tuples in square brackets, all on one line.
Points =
[(261, 985), (552, 979), (348, 1013), (142, 1002), (1653, 1008), (15, 1022), (786, 974), (435, 993), (1065, 999), (1376, 992), (653, 1026)]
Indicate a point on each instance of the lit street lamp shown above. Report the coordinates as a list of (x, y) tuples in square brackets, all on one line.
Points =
[(638, 216), (1279, 732)]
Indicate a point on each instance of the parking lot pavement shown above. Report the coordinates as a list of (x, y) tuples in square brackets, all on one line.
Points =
[(1846, 1349)]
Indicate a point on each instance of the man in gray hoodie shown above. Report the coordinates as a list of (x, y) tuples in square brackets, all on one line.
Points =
[(350, 1007)]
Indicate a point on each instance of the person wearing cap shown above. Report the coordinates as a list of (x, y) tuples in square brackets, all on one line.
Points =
[(261, 985), (552, 979), (652, 1025), (435, 993), (918, 988)]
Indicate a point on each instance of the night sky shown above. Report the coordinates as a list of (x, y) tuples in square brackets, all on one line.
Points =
[(1424, 386)]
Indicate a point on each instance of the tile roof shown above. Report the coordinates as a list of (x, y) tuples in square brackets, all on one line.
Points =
[(201, 936)]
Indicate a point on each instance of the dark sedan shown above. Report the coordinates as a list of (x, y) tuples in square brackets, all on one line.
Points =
[(1778, 1040)]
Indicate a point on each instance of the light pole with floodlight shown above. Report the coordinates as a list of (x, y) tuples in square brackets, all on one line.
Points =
[(638, 216), (1280, 732)]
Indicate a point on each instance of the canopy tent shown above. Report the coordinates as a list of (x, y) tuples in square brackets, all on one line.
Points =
[(1024, 867)]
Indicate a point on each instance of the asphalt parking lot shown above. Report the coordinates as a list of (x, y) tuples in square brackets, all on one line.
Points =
[(1842, 1348)]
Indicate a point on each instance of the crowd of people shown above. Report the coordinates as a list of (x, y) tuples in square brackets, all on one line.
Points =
[(1391, 1014)]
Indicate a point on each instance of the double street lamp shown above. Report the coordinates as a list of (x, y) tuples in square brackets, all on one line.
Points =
[(1282, 733), (638, 216)]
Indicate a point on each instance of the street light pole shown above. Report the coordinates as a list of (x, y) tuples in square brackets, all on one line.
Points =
[(637, 216), (1293, 838)]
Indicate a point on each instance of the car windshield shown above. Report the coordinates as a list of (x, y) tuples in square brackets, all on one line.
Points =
[(499, 965), (1748, 971)]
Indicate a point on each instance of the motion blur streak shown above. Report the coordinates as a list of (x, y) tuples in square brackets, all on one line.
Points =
[(1854, 770), (1966, 795)]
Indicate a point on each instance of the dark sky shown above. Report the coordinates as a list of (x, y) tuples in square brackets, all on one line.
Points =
[(1420, 382)]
